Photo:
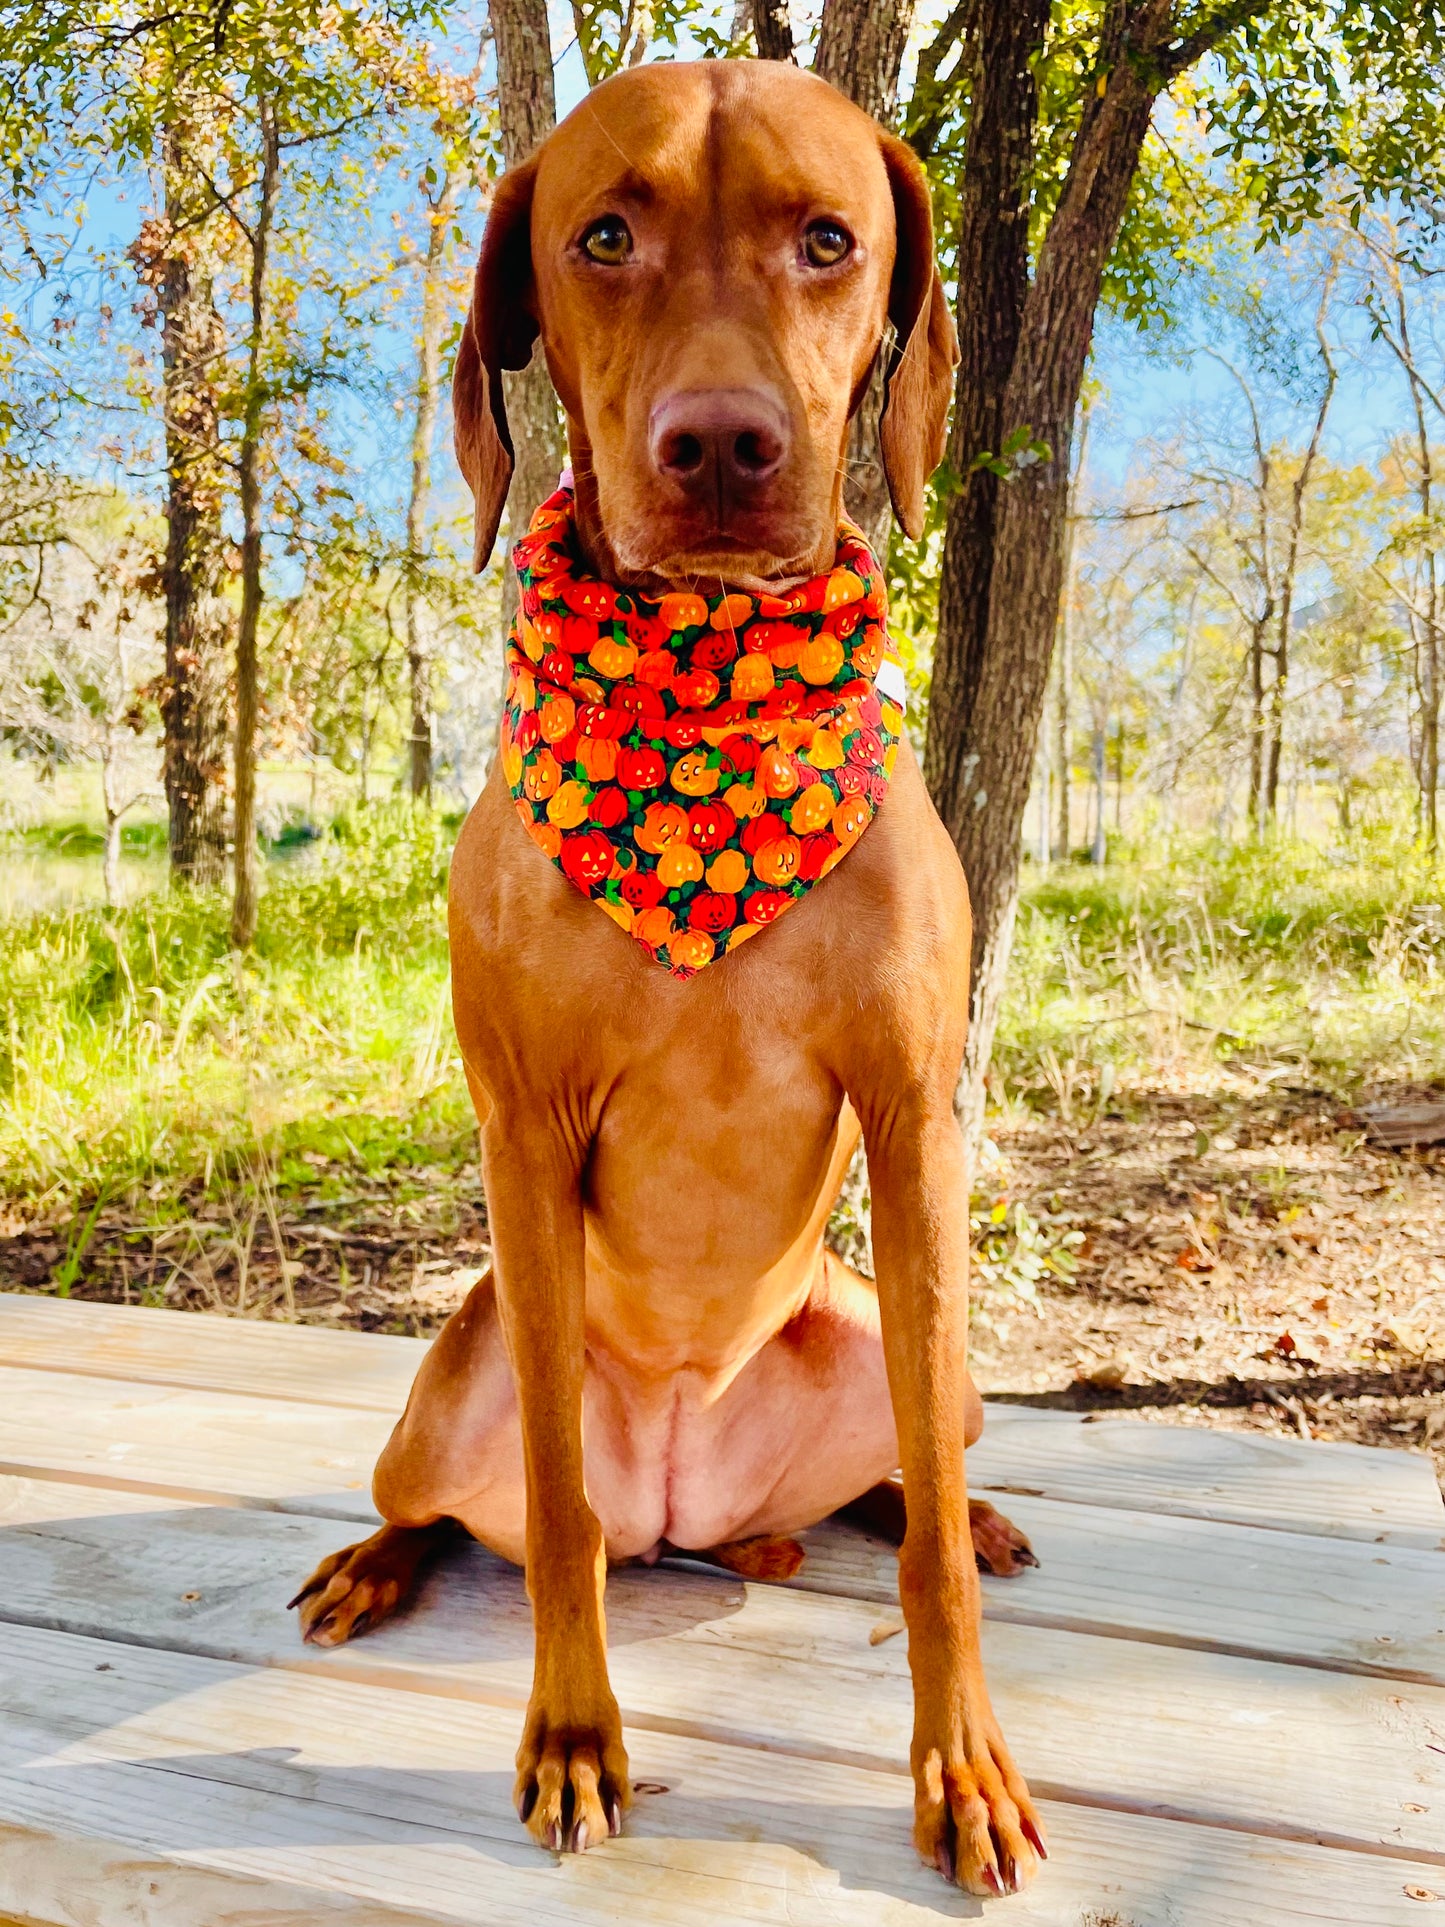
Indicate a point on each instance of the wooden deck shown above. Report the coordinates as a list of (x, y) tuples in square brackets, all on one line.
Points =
[(1226, 1683)]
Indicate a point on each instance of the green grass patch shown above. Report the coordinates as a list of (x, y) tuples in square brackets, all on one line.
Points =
[(141, 1062), (139, 1057), (1273, 953)]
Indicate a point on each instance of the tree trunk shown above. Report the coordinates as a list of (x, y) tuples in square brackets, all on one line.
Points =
[(1427, 655), (440, 215), (1256, 728), (243, 905), (1100, 847), (772, 27), (1004, 547), (1298, 494), (527, 105), (992, 287), (1065, 674), (860, 52), (198, 624)]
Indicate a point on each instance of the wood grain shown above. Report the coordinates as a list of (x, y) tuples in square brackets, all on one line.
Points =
[(159, 1790), (1157, 1576), (1240, 1743), (368, 1371), (1344, 1491)]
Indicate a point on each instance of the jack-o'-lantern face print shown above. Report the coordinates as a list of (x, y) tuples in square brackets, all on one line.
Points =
[(696, 765)]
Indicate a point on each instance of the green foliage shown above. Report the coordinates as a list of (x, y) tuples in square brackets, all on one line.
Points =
[(1308, 103), (137, 1054), (1272, 952)]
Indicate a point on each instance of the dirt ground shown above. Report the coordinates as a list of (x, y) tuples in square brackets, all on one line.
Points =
[(1248, 1259)]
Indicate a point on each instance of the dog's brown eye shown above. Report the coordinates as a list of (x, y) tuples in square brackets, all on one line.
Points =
[(607, 242), (826, 244)]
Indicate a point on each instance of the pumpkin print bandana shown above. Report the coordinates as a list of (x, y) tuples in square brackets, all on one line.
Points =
[(695, 764)]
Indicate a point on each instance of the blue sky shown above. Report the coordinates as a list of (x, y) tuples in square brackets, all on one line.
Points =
[(1148, 387)]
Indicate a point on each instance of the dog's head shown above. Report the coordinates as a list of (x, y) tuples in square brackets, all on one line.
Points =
[(711, 253)]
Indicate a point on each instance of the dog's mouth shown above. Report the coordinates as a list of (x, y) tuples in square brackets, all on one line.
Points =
[(756, 553)]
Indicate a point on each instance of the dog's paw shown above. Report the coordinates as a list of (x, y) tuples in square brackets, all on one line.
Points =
[(972, 1815), (355, 1589), (998, 1545), (572, 1779)]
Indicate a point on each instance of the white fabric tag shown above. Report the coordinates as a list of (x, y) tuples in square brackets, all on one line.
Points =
[(890, 682)]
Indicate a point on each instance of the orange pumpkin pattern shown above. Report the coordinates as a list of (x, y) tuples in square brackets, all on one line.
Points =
[(695, 765)]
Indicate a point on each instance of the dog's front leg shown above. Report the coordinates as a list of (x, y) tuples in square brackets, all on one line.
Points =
[(572, 1783), (972, 1813)]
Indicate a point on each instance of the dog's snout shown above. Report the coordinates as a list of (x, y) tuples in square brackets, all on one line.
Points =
[(719, 442)]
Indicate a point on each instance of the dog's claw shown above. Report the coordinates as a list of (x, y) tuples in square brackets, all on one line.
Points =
[(615, 1818), (554, 1836), (580, 1837), (526, 1801), (943, 1860), (992, 1882), (1033, 1836)]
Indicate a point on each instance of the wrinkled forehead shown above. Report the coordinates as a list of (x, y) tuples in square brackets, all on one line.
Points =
[(732, 146)]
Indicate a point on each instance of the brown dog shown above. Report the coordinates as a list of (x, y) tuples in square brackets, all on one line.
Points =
[(711, 254)]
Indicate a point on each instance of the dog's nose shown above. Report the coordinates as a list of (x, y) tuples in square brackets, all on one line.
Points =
[(719, 442)]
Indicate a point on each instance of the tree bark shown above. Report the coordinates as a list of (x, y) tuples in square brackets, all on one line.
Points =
[(860, 52), (1427, 650), (440, 214), (992, 286), (1256, 728), (243, 905), (1293, 535), (198, 625), (527, 108), (1100, 846), (1004, 546), (772, 27)]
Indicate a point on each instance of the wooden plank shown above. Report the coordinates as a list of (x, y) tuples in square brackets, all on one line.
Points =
[(83, 1426), (1179, 1581), (1240, 1743), (134, 1785), (1233, 1589), (1250, 1478), (362, 1370), (219, 1445)]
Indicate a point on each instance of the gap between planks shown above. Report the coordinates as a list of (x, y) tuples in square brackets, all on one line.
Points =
[(56, 1420), (1247, 1744), (1335, 1604), (725, 1824)]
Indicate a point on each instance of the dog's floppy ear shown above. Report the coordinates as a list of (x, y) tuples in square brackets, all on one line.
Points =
[(914, 423), (499, 333)]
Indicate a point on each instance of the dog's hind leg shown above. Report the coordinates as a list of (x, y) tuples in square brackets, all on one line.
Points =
[(452, 1463), (998, 1545), (771, 1555), (355, 1589)]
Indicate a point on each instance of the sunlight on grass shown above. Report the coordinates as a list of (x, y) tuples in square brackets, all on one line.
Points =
[(139, 1060), (137, 1056), (1277, 955)]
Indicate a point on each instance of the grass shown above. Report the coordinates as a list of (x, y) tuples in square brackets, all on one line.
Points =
[(145, 1071), (139, 1059), (1325, 965)]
